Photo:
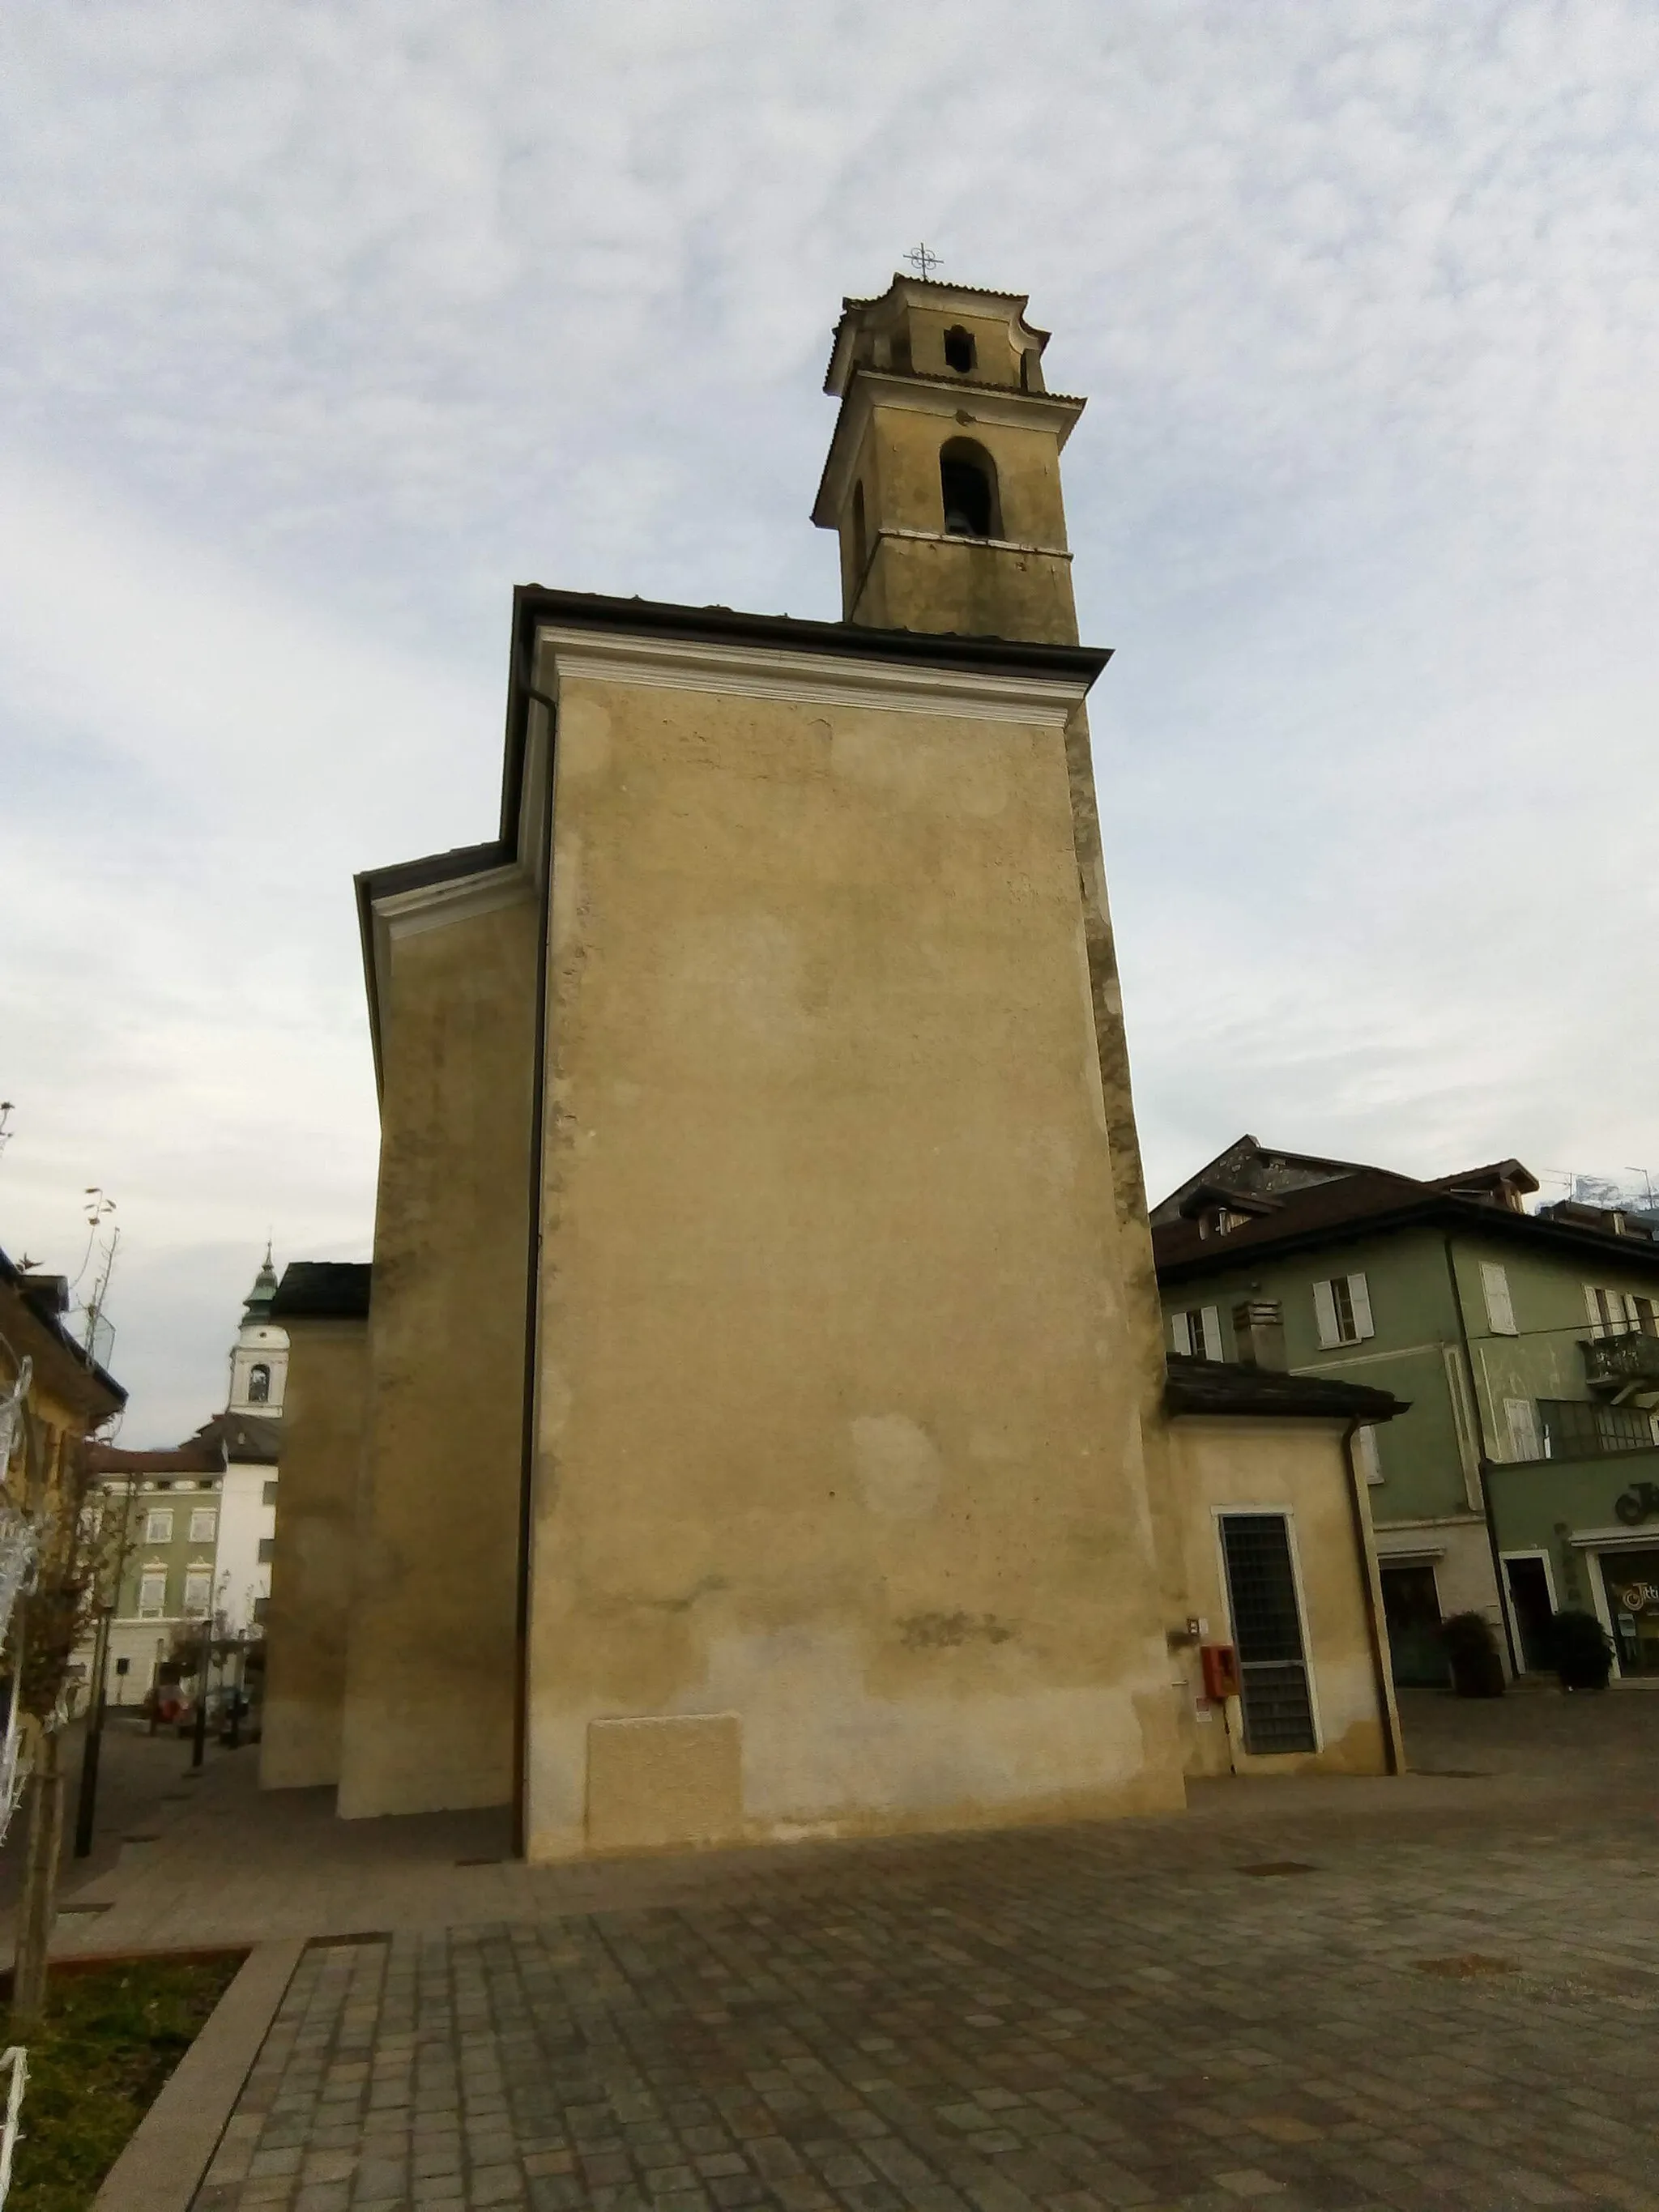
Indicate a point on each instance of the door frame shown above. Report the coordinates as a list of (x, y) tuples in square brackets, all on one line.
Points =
[(1287, 1513), (1523, 1552)]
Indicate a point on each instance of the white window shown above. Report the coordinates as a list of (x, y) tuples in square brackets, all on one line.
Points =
[(1342, 1308), (1197, 1334), (1619, 1313), (1522, 1417), (1366, 1455), (204, 1524), (1500, 1311), (198, 1591), (152, 1595), (158, 1525)]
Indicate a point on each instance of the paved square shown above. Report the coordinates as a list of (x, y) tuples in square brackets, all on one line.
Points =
[(1455, 2008)]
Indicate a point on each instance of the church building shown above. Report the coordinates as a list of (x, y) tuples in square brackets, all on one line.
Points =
[(755, 1423)]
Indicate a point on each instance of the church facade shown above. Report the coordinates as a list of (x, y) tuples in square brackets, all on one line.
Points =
[(754, 1425)]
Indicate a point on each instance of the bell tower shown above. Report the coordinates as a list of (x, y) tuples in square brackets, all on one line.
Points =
[(943, 477)]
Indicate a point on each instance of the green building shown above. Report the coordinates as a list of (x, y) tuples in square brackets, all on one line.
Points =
[(1524, 1479)]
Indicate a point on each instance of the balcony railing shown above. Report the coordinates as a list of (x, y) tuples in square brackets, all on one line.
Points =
[(1618, 1362)]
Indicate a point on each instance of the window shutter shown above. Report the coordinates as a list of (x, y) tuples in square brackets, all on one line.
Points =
[(1325, 1315), (1181, 1334), (1363, 1325), (1212, 1324), (1593, 1308), (1365, 1453), (1523, 1418), (1500, 1310)]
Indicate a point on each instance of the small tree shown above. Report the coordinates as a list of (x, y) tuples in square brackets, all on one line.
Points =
[(75, 1543)]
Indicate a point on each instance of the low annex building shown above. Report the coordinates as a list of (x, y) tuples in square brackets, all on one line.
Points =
[(753, 1425)]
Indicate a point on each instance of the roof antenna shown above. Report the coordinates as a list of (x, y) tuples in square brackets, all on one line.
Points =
[(924, 262)]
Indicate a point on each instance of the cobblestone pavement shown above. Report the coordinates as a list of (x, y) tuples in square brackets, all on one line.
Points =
[(1385, 2013)]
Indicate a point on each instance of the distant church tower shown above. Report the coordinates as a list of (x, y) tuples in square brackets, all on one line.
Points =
[(258, 1360)]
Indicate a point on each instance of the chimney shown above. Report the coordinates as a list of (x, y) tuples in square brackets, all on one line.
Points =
[(1259, 1329)]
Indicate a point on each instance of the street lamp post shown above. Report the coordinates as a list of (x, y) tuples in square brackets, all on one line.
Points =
[(199, 1741), (86, 1803)]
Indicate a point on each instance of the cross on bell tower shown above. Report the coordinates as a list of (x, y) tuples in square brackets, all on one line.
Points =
[(943, 476)]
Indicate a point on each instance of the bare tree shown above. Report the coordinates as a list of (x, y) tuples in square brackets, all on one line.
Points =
[(73, 1545)]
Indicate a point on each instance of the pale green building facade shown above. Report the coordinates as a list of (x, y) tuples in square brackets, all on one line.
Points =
[(1527, 1346)]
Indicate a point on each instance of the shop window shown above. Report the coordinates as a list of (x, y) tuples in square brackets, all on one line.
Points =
[(1274, 1698), (1631, 1581)]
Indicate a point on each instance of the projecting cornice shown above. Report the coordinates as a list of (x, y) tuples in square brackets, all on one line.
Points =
[(751, 671)]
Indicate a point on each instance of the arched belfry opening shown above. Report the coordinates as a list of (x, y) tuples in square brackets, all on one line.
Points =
[(967, 488), (960, 351), (860, 536)]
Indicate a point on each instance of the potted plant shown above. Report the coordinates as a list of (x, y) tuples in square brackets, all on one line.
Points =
[(1581, 1650), (1477, 1669)]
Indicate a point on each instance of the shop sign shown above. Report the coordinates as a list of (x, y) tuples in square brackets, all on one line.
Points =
[(1636, 1597), (1639, 1502)]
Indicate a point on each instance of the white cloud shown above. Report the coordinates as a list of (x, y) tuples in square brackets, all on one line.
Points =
[(328, 323)]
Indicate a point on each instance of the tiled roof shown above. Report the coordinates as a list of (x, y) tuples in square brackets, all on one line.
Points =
[(323, 1290), (185, 1459), (1215, 1386), (1369, 1202)]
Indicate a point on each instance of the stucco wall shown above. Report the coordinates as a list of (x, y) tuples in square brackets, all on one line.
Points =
[(838, 1427), (433, 1670), (310, 1611), (1298, 1468)]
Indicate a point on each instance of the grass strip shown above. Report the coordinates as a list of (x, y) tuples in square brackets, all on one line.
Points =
[(111, 2036)]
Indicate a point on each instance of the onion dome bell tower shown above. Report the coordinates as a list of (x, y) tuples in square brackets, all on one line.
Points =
[(943, 479), (258, 1359)]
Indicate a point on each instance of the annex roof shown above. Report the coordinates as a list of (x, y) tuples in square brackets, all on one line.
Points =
[(1217, 1386), (251, 1439)]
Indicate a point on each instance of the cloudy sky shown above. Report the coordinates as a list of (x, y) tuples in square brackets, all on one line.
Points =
[(324, 325)]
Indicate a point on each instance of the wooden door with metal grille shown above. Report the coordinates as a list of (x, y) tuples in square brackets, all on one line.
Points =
[(1273, 1659)]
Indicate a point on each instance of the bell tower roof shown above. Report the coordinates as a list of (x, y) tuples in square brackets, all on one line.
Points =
[(882, 332), (256, 1307)]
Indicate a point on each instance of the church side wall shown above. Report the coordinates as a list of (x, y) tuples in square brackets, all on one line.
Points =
[(841, 1516), (310, 1607), (432, 1679)]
